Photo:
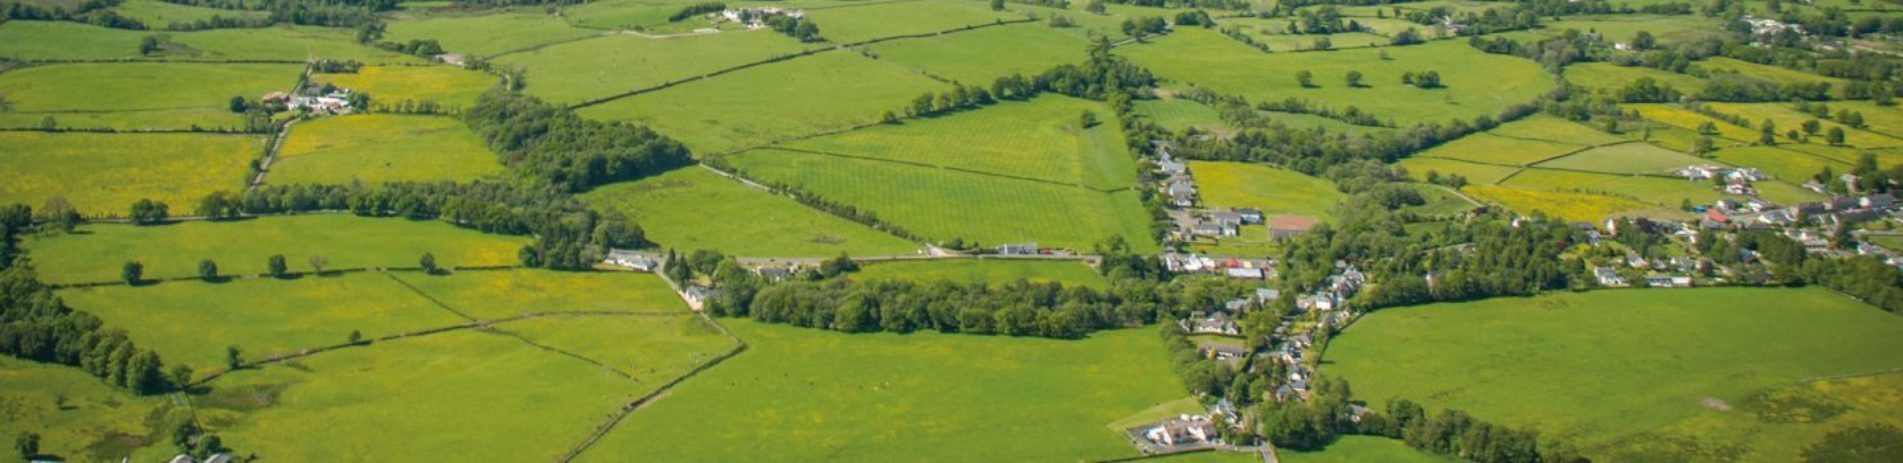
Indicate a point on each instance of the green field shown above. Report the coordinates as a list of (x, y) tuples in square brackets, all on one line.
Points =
[(608, 65), (480, 33), (493, 294), (693, 208), (1668, 30), (158, 14), (242, 247), (1476, 83), (1178, 114), (1625, 158), (1563, 205), (74, 41), (1768, 72), (1484, 174), (446, 85), (1553, 129), (138, 95), (1628, 374), (1787, 118), (97, 423), (192, 322), (800, 394), (1487, 148), (1042, 139), (772, 103), (981, 56), (1293, 42), (1350, 449), (1607, 76), (1273, 191), (1783, 164), (103, 174), (877, 20), (987, 271), (1657, 191), (377, 148), (623, 14)]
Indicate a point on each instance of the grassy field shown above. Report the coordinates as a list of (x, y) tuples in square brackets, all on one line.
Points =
[(242, 247), (943, 205), (1787, 118), (1041, 139), (477, 33), (1608, 76), (139, 95), (802, 394), (1628, 374), (1657, 191), (492, 294), (871, 21), (772, 103), (981, 56), (1293, 42), (158, 14), (1494, 149), (1350, 449), (624, 14), (991, 272), (447, 85), (1676, 116), (377, 148), (1668, 30), (69, 40), (1625, 158), (192, 322), (598, 67), (1784, 164), (1181, 114), (1484, 174), (97, 423), (1576, 207), (103, 174), (1272, 190), (693, 208), (1768, 72), (1476, 83), (1553, 129)]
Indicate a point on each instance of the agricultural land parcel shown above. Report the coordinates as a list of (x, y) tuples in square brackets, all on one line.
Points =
[(173, 96), (103, 174), (377, 148), (478, 33), (43, 40), (694, 208), (987, 271), (1271, 190), (610, 65), (446, 85)]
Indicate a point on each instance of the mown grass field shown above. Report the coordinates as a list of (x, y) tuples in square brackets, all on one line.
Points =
[(377, 148), (625, 14), (693, 208), (652, 349), (800, 394), (987, 271), (943, 205), (1042, 139), (493, 294), (1784, 164), (1306, 42), (599, 67), (1274, 191), (192, 322), (772, 103), (96, 423), (1657, 191), (243, 247), (1476, 83), (1628, 374), (871, 21), (139, 95), (445, 85), (480, 33), (1553, 129), (103, 174), (981, 56)]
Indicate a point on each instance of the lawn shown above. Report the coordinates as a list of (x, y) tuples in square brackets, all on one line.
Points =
[(446, 85), (1178, 114), (139, 95), (801, 395), (1494, 149), (243, 247), (773, 103), (1041, 139), (377, 148), (103, 174), (1273, 191), (1626, 158), (1569, 206), (97, 423), (493, 294), (987, 271), (980, 57), (1627, 374), (1608, 76), (1477, 83), (945, 205), (608, 65), (193, 322), (693, 208), (477, 33), (860, 23)]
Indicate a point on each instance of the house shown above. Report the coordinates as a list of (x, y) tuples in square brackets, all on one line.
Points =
[(453, 59), (1745, 175), (697, 296), (1024, 249), (776, 272), (1814, 186), (1877, 201), (1284, 226), (1264, 295), (1703, 172), (631, 260), (1768, 26), (1777, 217), (1222, 352), (1681, 281), (1842, 203), (1740, 189), (1181, 193), (1718, 217), (1608, 277), (1250, 216), (182, 458), (1182, 430), (1634, 260), (1658, 281), (1219, 323), (1247, 273), (1226, 218), (1851, 181), (1759, 205), (1208, 229), (1170, 166), (218, 458), (276, 97)]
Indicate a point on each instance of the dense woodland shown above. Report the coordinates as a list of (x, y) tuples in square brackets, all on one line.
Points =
[(549, 144)]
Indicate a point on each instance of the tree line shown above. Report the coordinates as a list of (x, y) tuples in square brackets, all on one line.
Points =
[(551, 145)]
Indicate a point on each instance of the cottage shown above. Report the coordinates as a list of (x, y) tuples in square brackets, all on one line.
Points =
[(1264, 295), (1222, 352), (1226, 218), (1018, 249), (697, 296), (1250, 216), (776, 272), (1701, 172), (1608, 277), (1284, 226), (631, 260), (276, 97), (1745, 175), (1842, 203), (1851, 181), (1658, 281), (1182, 430), (1219, 324), (1171, 167), (1777, 217)]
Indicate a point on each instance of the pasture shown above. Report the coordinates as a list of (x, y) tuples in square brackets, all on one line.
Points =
[(801, 394), (78, 416), (773, 103), (1786, 118), (598, 67), (1042, 139), (986, 271), (1627, 374), (878, 20), (140, 95), (945, 205), (1625, 158), (1658, 191), (1273, 191), (43, 40), (1770, 73), (1484, 174), (1492, 149), (981, 56), (378, 148), (446, 85), (191, 322), (158, 14), (1353, 448), (1552, 129), (243, 247), (477, 33), (1178, 114), (1784, 164), (103, 174), (1568, 206), (495, 294), (1476, 83), (693, 208), (1668, 30), (1608, 76)]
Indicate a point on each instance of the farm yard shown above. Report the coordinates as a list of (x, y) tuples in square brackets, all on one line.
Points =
[(951, 230)]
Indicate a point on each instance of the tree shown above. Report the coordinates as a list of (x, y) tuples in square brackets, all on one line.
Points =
[(1767, 133), (318, 263), (1643, 41), (1094, 7), (1812, 126), (208, 270), (997, 5), (356, 336), (428, 262), (1354, 78), (1089, 119), (277, 266), (1322, 43), (1702, 145), (1305, 78), (60, 213), (180, 376), (889, 118), (132, 272), (28, 444), (148, 45), (234, 357), (1835, 136), (238, 105), (147, 212)]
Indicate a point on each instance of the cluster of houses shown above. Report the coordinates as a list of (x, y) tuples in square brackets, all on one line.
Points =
[(1737, 180), (1182, 433), (1767, 26), (1219, 224), (213, 458), (311, 99), (1233, 267), (1760, 214), (754, 18)]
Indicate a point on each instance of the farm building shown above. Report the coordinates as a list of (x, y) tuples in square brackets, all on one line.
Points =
[(1182, 430), (631, 260), (1023, 249)]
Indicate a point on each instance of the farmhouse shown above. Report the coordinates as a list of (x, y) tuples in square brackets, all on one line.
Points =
[(631, 260), (1183, 430), (1283, 226), (1877, 201)]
